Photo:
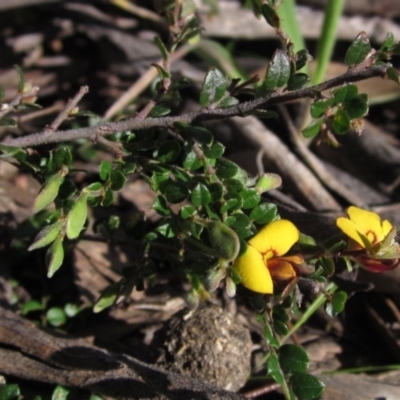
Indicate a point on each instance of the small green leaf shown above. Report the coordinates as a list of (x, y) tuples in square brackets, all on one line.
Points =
[(107, 198), (200, 195), (94, 189), (313, 129), (56, 316), (108, 297), (214, 278), (306, 386), (32, 305), (346, 92), (161, 47), (234, 185), (280, 314), (280, 328), (187, 211), (216, 150), (162, 72), (387, 43), (54, 257), (60, 393), (199, 134), (174, 192), (238, 201), (264, 213), (21, 78), (302, 58), (392, 74), (61, 156), (293, 358), (241, 224), (336, 304), (166, 228), (50, 190), (168, 151), (72, 310), (8, 122), (270, 338), (228, 101), (357, 107), (298, 81), (216, 190), (223, 239), (117, 179), (278, 71), (341, 122), (95, 397), (47, 235), (105, 170), (274, 370), (76, 218), (358, 50), (268, 182), (214, 87), (191, 162), (320, 107), (251, 197), (395, 50), (270, 15), (226, 169), (230, 204), (9, 392), (161, 206)]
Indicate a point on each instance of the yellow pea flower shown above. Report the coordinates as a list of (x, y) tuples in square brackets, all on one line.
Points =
[(263, 263), (372, 239)]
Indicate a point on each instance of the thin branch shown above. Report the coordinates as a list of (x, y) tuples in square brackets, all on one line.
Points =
[(65, 113), (203, 114)]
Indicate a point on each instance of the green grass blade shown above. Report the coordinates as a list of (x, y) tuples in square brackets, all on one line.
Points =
[(327, 39)]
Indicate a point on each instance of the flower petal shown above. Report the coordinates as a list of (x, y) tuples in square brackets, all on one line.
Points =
[(377, 266), (281, 270), (349, 228), (253, 271), (386, 227), (367, 221), (278, 236)]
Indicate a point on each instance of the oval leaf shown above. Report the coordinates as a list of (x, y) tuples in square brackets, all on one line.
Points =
[(200, 195), (223, 240), (278, 71), (54, 257), (76, 218), (293, 358), (306, 386), (358, 50), (47, 235), (50, 190), (214, 87)]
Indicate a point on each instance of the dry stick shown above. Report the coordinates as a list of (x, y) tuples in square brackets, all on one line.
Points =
[(56, 107), (65, 113), (142, 83), (292, 169), (315, 163), (203, 114), (7, 108)]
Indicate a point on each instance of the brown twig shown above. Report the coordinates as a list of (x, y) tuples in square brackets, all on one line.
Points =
[(316, 164), (203, 114), (65, 113)]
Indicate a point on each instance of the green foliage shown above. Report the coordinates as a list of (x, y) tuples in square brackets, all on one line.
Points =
[(207, 205)]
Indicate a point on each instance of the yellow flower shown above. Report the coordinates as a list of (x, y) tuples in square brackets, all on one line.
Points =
[(372, 239), (262, 263), (364, 227)]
